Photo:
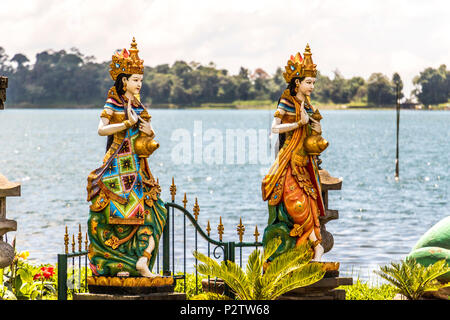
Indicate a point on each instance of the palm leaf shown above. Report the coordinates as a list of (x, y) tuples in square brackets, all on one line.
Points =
[(412, 279), (228, 271), (270, 247), (306, 276)]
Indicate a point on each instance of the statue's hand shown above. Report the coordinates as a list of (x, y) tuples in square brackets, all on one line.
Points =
[(132, 116), (315, 126), (146, 127), (304, 118)]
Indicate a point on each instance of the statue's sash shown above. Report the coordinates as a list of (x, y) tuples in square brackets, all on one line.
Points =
[(283, 158)]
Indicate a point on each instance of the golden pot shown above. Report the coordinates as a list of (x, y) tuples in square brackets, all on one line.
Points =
[(315, 144), (144, 145)]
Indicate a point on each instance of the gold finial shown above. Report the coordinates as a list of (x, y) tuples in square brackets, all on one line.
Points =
[(220, 229), (133, 44), (208, 229), (173, 189), (240, 230), (86, 242), (73, 243), (66, 241), (185, 200), (196, 209), (256, 234), (80, 238)]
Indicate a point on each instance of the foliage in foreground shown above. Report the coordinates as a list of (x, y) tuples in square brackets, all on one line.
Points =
[(286, 272), (23, 281), (412, 279), (192, 288), (363, 291)]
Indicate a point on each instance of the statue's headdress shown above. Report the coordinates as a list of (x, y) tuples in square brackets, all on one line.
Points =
[(127, 62), (300, 67)]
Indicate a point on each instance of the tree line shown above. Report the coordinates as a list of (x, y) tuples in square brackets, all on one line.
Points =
[(70, 78)]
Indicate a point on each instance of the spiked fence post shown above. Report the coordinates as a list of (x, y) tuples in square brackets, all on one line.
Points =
[(166, 233), (220, 230), (62, 269), (196, 209), (256, 234), (66, 242), (173, 189), (62, 277)]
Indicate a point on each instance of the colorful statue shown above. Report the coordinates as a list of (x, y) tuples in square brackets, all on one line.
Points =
[(126, 216), (433, 246), (292, 186)]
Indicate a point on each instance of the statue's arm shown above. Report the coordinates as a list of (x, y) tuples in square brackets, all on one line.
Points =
[(106, 129), (278, 127)]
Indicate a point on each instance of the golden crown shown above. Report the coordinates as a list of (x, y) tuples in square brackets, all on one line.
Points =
[(127, 62), (300, 67)]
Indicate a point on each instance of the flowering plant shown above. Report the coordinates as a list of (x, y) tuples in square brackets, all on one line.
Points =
[(45, 274)]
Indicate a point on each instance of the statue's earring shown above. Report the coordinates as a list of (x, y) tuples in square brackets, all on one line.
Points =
[(297, 85), (125, 86)]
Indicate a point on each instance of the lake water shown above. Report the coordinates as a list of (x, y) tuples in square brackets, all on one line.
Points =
[(51, 153)]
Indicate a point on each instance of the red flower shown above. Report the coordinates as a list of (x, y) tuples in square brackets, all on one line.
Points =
[(47, 273)]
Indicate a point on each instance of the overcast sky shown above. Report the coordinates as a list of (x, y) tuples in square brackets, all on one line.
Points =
[(355, 37)]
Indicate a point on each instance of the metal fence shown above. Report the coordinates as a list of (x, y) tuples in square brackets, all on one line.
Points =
[(73, 267)]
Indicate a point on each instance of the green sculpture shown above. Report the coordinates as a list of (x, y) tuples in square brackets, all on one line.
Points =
[(433, 246)]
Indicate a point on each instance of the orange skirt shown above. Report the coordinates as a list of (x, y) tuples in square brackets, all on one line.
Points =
[(302, 208)]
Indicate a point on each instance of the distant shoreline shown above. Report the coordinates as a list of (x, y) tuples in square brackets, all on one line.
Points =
[(214, 106)]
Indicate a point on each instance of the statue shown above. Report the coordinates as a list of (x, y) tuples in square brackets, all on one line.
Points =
[(292, 187), (126, 216), (434, 245)]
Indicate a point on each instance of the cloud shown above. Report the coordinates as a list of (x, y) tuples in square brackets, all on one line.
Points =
[(356, 37)]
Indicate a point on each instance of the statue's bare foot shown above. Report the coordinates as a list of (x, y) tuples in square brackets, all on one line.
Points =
[(142, 267), (318, 252)]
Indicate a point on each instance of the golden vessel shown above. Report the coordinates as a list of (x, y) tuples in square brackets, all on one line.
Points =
[(315, 143), (144, 146)]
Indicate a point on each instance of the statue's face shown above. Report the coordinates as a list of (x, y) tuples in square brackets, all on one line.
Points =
[(307, 86), (134, 83)]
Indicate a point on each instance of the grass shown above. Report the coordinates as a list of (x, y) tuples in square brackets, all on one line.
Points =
[(364, 291)]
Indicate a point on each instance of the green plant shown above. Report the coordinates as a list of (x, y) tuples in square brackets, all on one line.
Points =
[(286, 272), (363, 291), (23, 281), (191, 285), (412, 279)]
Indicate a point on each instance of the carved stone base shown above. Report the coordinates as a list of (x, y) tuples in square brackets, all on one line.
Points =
[(130, 285)]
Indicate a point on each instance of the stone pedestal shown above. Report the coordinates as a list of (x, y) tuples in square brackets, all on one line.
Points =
[(151, 296), (7, 189), (130, 288)]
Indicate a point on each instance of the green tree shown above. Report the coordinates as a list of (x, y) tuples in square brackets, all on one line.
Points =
[(380, 90), (322, 89), (396, 79), (432, 86)]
